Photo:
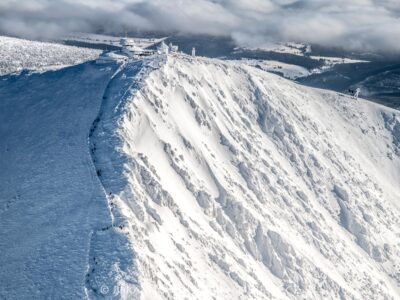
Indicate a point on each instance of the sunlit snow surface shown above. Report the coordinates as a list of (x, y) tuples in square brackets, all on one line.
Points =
[(18, 54), (238, 183), (179, 177)]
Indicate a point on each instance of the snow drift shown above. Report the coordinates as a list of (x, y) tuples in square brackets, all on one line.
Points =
[(211, 180)]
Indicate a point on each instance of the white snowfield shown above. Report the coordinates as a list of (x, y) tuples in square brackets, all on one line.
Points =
[(18, 54), (288, 71), (289, 48), (111, 40), (192, 178)]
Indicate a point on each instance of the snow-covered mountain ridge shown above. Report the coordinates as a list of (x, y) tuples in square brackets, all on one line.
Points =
[(240, 184), (215, 180)]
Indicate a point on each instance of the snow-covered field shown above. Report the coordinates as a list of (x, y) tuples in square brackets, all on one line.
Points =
[(330, 62), (18, 54), (93, 38), (293, 72), (111, 40), (288, 48), (191, 178), (338, 60), (288, 71)]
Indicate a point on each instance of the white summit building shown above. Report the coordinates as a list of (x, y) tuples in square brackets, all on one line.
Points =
[(134, 47), (166, 49)]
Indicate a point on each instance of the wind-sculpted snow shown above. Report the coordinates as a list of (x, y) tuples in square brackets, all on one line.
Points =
[(238, 184), (17, 55)]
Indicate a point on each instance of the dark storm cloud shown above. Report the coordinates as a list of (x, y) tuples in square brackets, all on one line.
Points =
[(371, 25)]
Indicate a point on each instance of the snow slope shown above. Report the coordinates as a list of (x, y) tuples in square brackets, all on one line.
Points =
[(237, 184), (54, 217), (18, 54), (191, 178), (286, 70)]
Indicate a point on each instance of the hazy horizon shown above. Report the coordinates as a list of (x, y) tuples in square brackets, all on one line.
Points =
[(366, 25)]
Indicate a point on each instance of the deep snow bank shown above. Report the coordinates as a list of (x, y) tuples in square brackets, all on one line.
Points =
[(236, 183)]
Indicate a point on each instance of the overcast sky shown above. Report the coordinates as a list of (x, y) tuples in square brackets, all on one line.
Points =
[(372, 25)]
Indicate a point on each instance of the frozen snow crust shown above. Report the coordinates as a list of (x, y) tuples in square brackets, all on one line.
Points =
[(177, 177)]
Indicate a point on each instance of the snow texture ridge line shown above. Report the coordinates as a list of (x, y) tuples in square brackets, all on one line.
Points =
[(112, 275)]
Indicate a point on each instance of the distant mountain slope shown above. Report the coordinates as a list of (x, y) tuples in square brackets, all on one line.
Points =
[(18, 54), (193, 178), (379, 81)]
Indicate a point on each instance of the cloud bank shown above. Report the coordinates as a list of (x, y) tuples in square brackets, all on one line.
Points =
[(368, 25)]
